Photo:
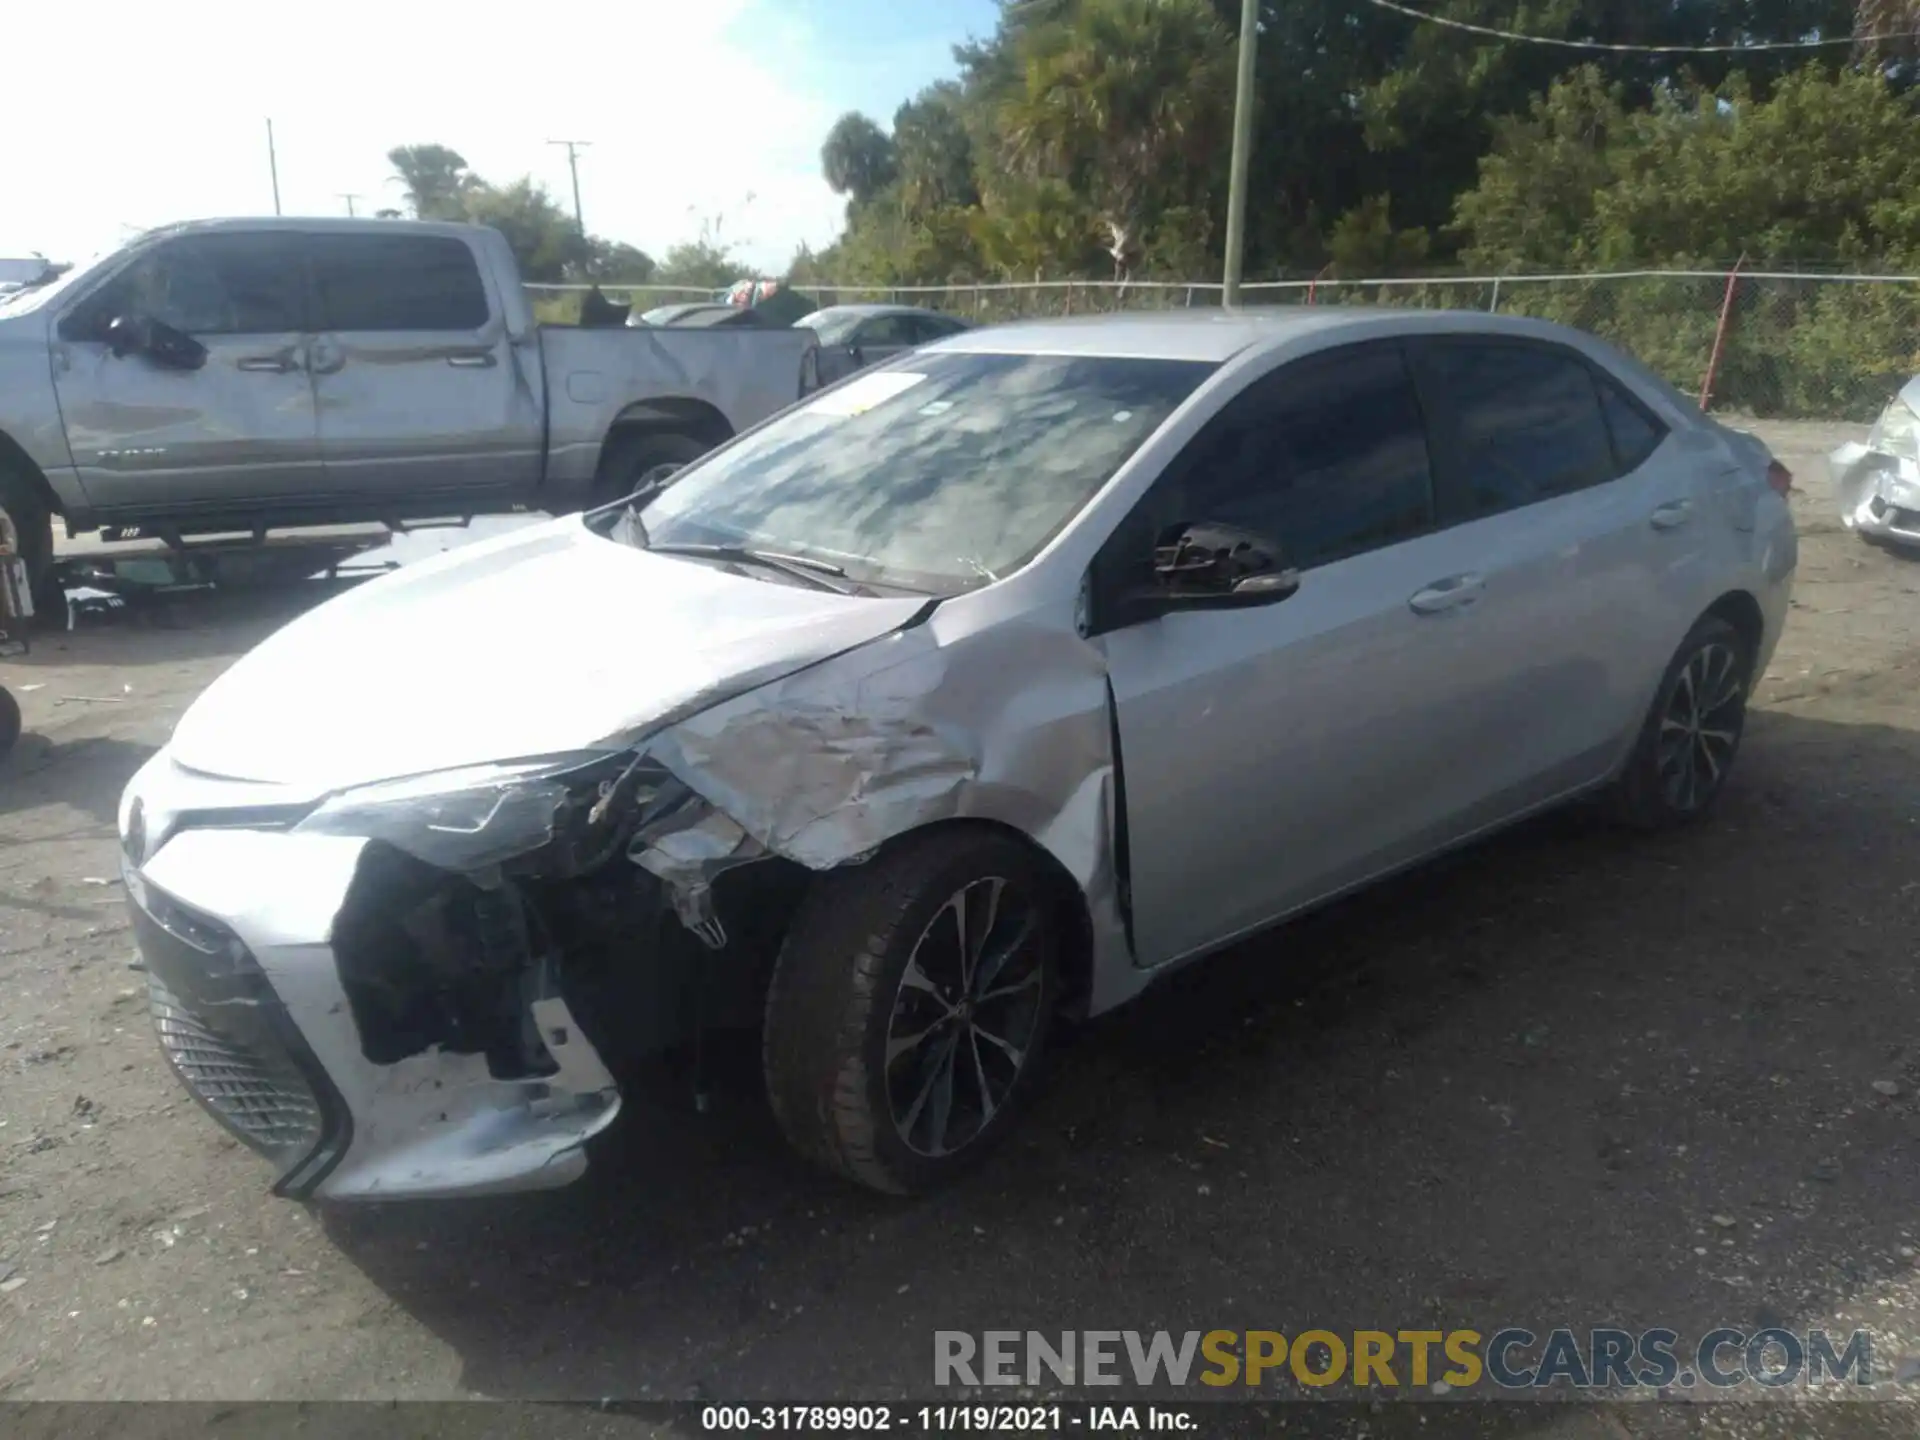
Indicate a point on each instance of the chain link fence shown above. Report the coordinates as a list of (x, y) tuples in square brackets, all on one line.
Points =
[(1764, 344)]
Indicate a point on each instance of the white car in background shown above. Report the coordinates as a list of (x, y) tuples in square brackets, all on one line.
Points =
[(1878, 483)]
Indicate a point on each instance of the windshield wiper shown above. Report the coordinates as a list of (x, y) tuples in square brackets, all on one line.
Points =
[(801, 567)]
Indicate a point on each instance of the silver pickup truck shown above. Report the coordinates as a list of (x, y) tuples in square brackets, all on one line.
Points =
[(236, 374)]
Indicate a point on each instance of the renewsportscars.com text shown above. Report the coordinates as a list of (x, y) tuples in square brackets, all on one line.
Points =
[(1601, 1358)]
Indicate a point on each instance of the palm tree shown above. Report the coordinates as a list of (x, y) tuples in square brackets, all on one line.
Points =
[(436, 179), (857, 158), (1128, 102)]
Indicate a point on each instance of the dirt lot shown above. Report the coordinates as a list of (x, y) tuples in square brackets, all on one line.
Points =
[(1565, 1078)]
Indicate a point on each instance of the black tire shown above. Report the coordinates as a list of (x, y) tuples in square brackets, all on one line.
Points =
[(9, 722), (27, 508), (1686, 748), (632, 456), (840, 984)]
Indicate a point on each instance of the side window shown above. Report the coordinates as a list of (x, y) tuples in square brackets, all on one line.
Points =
[(397, 282), (1328, 456), (928, 328), (1525, 421), (224, 283), (888, 330), (1636, 434)]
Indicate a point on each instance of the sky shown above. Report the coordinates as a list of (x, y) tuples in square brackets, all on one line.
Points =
[(699, 110)]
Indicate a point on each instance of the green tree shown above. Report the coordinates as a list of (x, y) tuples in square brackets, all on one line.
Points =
[(436, 179), (857, 158), (933, 152), (703, 263), (1823, 172), (541, 234), (1128, 103), (1534, 203), (543, 237), (1433, 108), (1035, 229), (1363, 242)]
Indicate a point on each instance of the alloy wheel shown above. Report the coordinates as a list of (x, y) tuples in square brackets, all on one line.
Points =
[(965, 1016), (1701, 726)]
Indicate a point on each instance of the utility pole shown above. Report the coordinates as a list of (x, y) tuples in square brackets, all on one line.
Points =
[(349, 196), (273, 167), (573, 164), (1242, 151)]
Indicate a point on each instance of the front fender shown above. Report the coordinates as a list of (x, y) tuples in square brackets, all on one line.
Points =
[(1008, 723), (31, 431)]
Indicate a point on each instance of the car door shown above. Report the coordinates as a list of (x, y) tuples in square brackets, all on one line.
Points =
[(417, 383), (1547, 467), (1273, 755), (153, 439)]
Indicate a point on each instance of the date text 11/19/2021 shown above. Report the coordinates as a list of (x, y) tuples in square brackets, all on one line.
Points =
[(945, 1419)]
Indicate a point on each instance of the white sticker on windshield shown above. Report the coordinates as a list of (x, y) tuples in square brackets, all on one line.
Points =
[(857, 397)]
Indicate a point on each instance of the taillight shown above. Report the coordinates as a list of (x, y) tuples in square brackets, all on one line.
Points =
[(1779, 478)]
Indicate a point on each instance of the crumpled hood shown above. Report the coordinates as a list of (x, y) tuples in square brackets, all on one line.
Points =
[(545, 640)]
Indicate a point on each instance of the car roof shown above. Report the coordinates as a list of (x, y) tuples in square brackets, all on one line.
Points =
[(312, 224), (876, 308), (1216, 335)]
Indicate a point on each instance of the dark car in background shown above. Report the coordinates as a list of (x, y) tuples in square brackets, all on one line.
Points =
[(853, 337)]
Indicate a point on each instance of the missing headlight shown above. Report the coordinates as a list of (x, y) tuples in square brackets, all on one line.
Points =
[(431, 959)]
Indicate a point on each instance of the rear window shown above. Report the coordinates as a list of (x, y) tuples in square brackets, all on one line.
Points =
[(1526, 422), (397, 282), (1636, 434)]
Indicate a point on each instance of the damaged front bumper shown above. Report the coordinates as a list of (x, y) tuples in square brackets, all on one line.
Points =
[(257, 1016), (1879, 493)]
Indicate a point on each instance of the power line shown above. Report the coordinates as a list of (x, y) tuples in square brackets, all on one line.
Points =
[(1490, 33)]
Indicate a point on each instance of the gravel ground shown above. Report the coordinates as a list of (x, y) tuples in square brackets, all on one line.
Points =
[(1564, 1078)]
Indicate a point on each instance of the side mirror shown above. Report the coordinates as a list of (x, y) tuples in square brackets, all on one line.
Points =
[(1205, 565), (161, 343), (128, 335)]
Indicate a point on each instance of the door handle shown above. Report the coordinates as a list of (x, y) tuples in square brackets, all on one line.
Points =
[(1670, 515), (1452, 593), (270, 364), (482, 361)]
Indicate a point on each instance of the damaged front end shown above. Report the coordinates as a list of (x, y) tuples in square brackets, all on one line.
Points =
[(1878, 483), (409, 990)]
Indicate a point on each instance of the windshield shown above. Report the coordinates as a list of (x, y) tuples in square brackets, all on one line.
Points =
[(938, 472), (834, 327)]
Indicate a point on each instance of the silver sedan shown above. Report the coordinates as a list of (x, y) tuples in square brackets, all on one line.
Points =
[(991, 685)]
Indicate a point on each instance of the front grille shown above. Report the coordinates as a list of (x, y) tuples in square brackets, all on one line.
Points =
[(257, 1093)]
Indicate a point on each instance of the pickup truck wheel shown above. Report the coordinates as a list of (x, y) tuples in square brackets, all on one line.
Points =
[(27, 516), (634, 458), (909, 1009)]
